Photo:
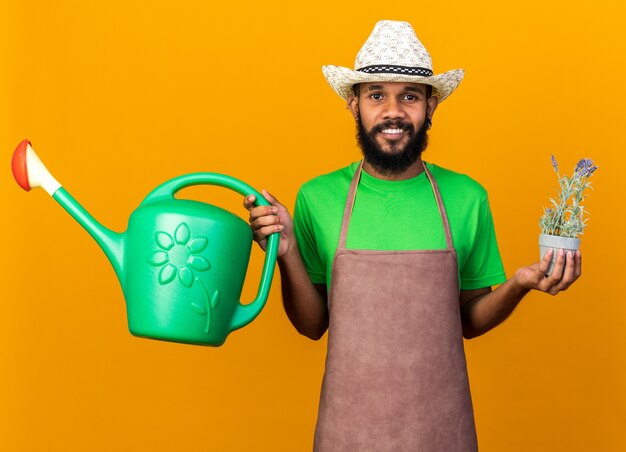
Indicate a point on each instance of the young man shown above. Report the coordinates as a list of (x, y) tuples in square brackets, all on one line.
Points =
[(408, 252)]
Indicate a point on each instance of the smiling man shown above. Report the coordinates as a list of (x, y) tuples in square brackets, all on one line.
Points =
[(392, 121), (396, 258)]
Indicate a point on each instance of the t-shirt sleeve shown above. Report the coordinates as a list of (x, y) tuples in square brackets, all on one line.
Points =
[(483, 267), (305, 235)]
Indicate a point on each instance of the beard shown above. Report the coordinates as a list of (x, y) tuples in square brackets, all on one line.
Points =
[(399, 158)]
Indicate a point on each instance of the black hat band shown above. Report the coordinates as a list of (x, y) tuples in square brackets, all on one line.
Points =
[(392, 69)]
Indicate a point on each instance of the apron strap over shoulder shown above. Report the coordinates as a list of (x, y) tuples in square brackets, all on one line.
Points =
[(442, 209), (347, 213)]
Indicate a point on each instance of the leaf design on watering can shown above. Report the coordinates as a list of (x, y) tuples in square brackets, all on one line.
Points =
[(185, 275), (197, 245), (199, 263), (182, 234), (164, 240), (198, 309), (167, 274), (158, 258), (215, 299)]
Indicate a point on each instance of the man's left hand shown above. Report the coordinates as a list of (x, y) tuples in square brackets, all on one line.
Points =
[(566, 270)]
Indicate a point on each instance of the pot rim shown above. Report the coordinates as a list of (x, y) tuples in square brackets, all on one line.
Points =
[(557, 241)]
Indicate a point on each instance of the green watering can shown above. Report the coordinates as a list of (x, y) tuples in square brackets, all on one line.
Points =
[(181, 263)]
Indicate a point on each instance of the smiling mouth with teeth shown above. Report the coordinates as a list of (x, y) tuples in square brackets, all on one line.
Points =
[(392, 131)]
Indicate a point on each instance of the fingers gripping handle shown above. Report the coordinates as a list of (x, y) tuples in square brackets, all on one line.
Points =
[(244, 314)]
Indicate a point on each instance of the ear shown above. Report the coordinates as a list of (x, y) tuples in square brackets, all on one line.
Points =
[(353, 105), (432, 101)]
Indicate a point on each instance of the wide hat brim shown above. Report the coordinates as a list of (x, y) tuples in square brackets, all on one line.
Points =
[(342, 79)]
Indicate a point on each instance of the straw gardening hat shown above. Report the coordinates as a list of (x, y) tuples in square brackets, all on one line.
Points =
[(392, 53)]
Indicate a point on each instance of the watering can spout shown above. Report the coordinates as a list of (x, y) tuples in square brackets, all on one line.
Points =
[(112, 243), (30, 172)]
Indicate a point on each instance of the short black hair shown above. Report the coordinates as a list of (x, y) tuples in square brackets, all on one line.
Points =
[(356, 90)]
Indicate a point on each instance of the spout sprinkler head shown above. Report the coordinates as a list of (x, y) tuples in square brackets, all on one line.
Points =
[(18, 165), (28, 170)]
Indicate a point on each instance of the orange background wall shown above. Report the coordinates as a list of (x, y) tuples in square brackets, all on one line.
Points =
[(117, 97)]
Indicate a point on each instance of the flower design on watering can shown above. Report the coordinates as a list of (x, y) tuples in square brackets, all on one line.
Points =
[(179, 258)]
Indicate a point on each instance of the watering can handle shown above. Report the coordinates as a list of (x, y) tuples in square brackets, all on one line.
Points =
[(244, 314)]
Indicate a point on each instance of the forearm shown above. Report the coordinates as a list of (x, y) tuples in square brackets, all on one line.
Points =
[(485, 312), (304, 305)]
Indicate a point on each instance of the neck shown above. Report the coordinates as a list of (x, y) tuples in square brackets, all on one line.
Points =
[(413, 171)]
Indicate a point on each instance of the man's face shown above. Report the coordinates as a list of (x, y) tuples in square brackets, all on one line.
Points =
[(392, 123)]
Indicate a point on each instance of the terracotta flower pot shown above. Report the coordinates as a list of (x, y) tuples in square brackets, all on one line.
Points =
[(556, 243)]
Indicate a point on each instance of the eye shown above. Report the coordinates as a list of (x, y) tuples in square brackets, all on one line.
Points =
[(376, 96), (410, 97)]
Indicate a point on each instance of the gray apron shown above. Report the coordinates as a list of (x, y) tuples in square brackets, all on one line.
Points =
[(396, 378)]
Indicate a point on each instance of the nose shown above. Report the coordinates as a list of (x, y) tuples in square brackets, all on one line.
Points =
[(393, 109)]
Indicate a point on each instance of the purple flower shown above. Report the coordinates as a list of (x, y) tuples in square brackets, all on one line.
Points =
[(585, 167), (555, 165)]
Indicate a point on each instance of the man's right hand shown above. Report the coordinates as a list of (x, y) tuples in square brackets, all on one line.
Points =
[(266, 220), (305, 303)]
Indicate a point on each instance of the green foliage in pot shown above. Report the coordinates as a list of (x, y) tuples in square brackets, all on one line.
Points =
[(566, 216)]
